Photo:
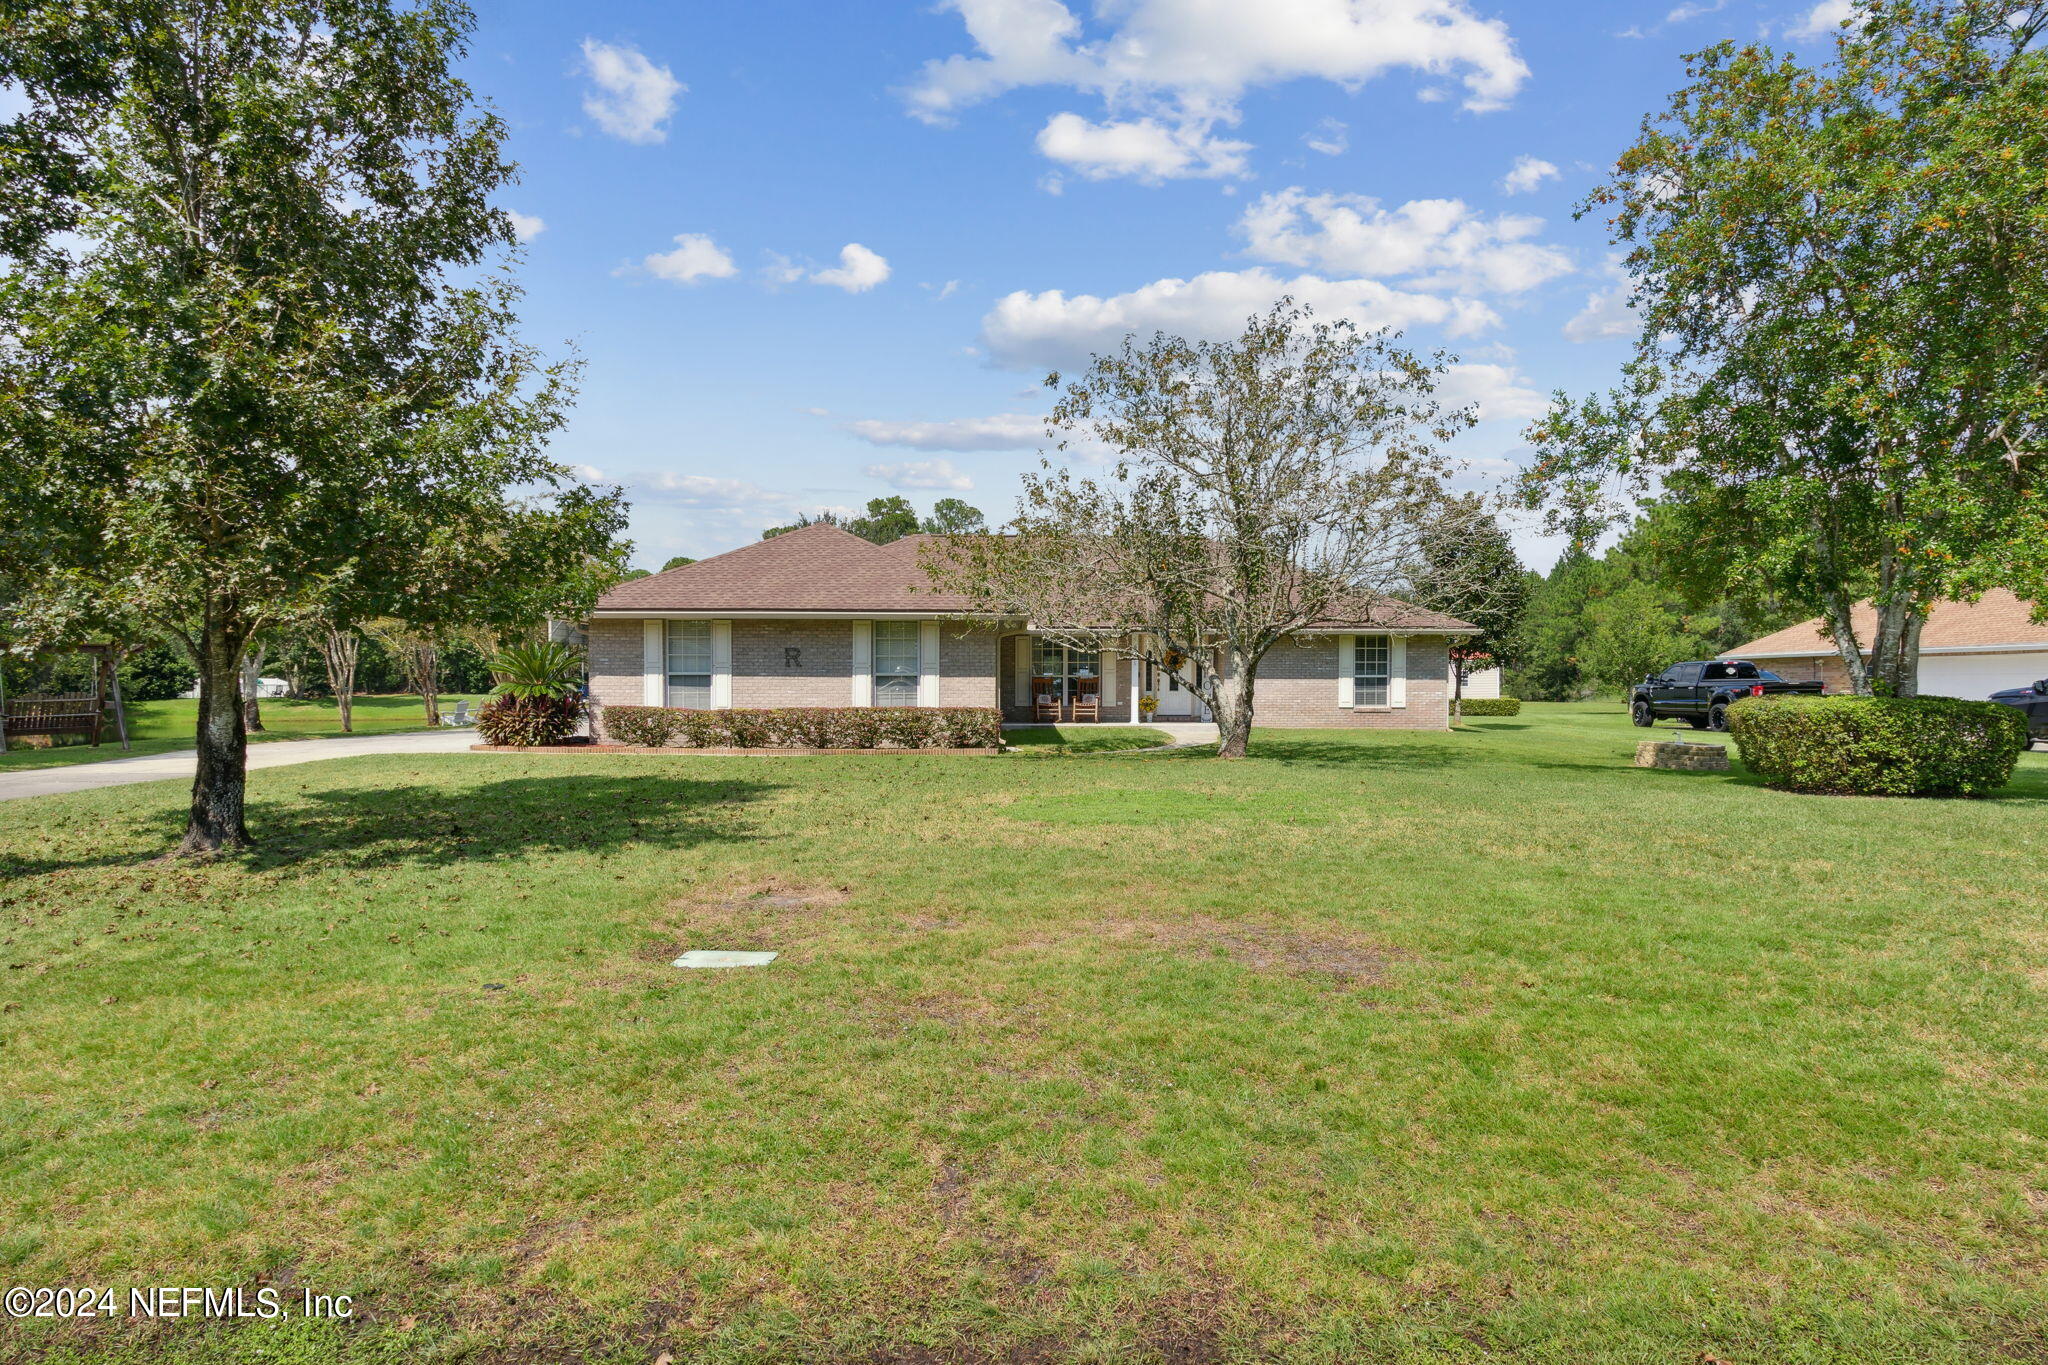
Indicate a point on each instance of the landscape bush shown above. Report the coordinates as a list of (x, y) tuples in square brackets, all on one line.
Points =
[(649, 727), (808, 727), (1879, 746), (523, 722), (1491, 706)]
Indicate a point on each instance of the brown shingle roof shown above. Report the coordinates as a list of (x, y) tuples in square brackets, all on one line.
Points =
[(814, 568), (1996, 618), (822, 568)]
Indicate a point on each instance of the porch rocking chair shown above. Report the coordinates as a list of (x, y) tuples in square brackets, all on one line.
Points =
[(1045, 699), (1087, 699)]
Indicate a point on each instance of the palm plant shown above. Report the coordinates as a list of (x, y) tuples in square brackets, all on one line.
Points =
[(547, 669)]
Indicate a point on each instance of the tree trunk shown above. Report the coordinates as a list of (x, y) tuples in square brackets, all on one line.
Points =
[(339, 649), (427, 678), (1842, 629), (1457, 691), (252, 682), (217, 790), (1230, 701)]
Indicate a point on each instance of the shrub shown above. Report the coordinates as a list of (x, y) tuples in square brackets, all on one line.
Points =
[(701, 729), (527, 721), (1879, 746), (807, 727), (1491, 706), (650, 727), (973, 727)]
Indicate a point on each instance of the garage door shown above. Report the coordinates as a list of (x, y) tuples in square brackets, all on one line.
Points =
[(1977, 676)]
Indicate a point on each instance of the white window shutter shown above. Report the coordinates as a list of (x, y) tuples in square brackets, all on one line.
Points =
[(1023, 670), (721, 664), (928, 663), (1347, 660), (1397, 670), (863, 663), (654, 663)]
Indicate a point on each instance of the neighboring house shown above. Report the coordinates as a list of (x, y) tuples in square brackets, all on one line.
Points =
[(820, 617), (1482, 678), (266, 689), (1967, 649)]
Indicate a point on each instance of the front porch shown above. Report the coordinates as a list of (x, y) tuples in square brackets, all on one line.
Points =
[(1042, 682)]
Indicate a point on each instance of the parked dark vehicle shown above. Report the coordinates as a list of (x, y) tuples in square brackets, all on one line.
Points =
[(1700, 693), (2032, 700)]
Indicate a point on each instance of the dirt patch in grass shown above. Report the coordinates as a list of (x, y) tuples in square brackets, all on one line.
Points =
[(768, 909), (1264, 947)]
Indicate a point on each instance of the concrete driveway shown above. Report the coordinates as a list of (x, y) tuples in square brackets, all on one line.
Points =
[(179, 766)]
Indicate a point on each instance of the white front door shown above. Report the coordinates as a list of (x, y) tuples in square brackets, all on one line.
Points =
[(1176, 692)]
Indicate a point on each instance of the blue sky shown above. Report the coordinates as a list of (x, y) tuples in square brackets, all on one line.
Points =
[(818, 253)]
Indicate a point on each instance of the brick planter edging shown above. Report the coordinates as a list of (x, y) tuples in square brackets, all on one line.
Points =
[(709, 753)]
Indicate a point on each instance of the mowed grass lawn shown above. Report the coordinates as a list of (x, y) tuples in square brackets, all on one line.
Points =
[(156, 727), (1375, 1047)]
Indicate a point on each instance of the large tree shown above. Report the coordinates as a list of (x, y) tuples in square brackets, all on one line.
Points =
[(256, 335), (1842, 277), (1475, 576), (1289, 477)]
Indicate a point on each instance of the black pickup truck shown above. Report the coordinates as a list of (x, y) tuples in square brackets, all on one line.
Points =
[(1700, 693), (2033, 701)]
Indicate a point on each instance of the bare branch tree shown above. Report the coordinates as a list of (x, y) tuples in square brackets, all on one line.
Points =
[(1288, 480)]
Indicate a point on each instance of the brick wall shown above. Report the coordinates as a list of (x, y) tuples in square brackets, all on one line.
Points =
[(1297, 687), (615, 664), (967, 666), (765, 673)]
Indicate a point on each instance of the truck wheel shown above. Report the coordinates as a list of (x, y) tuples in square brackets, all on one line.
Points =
[(1717, 716), (1640, 714)]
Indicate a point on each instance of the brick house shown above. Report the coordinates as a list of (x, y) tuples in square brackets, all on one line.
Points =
[(1967, 649), (820, 617)]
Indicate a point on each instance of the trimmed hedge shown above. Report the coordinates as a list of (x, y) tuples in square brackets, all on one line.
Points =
[(1491, 706), (1879, 746), (523, 722), (806, 727)]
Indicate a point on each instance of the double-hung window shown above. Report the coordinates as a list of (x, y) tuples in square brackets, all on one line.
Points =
[(896, 668), (1371, 670), (689, 664)]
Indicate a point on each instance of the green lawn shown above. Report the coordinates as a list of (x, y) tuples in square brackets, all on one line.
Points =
[(1373, 1048), (156, 727)]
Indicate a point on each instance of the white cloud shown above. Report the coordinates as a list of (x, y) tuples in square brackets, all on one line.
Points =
[(1198, 51), (1606, 314), (859, 270), (634, 97), (1823, 20), (921, 474), (1330, 137), (1144, 149), (1437, 243), (942, 292), (1500, 391), (1683, 13), (696, 257), (1526, 175), (526, 226), (1003, 431), (1026, 330), (1182, 65)]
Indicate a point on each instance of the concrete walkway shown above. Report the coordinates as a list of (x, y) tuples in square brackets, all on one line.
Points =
[(179, 766), (1181, 732)]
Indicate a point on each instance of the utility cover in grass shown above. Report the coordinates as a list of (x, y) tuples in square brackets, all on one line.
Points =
[(723, 957)]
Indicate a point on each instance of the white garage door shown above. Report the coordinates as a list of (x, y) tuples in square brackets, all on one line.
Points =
[(1977, 676)]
